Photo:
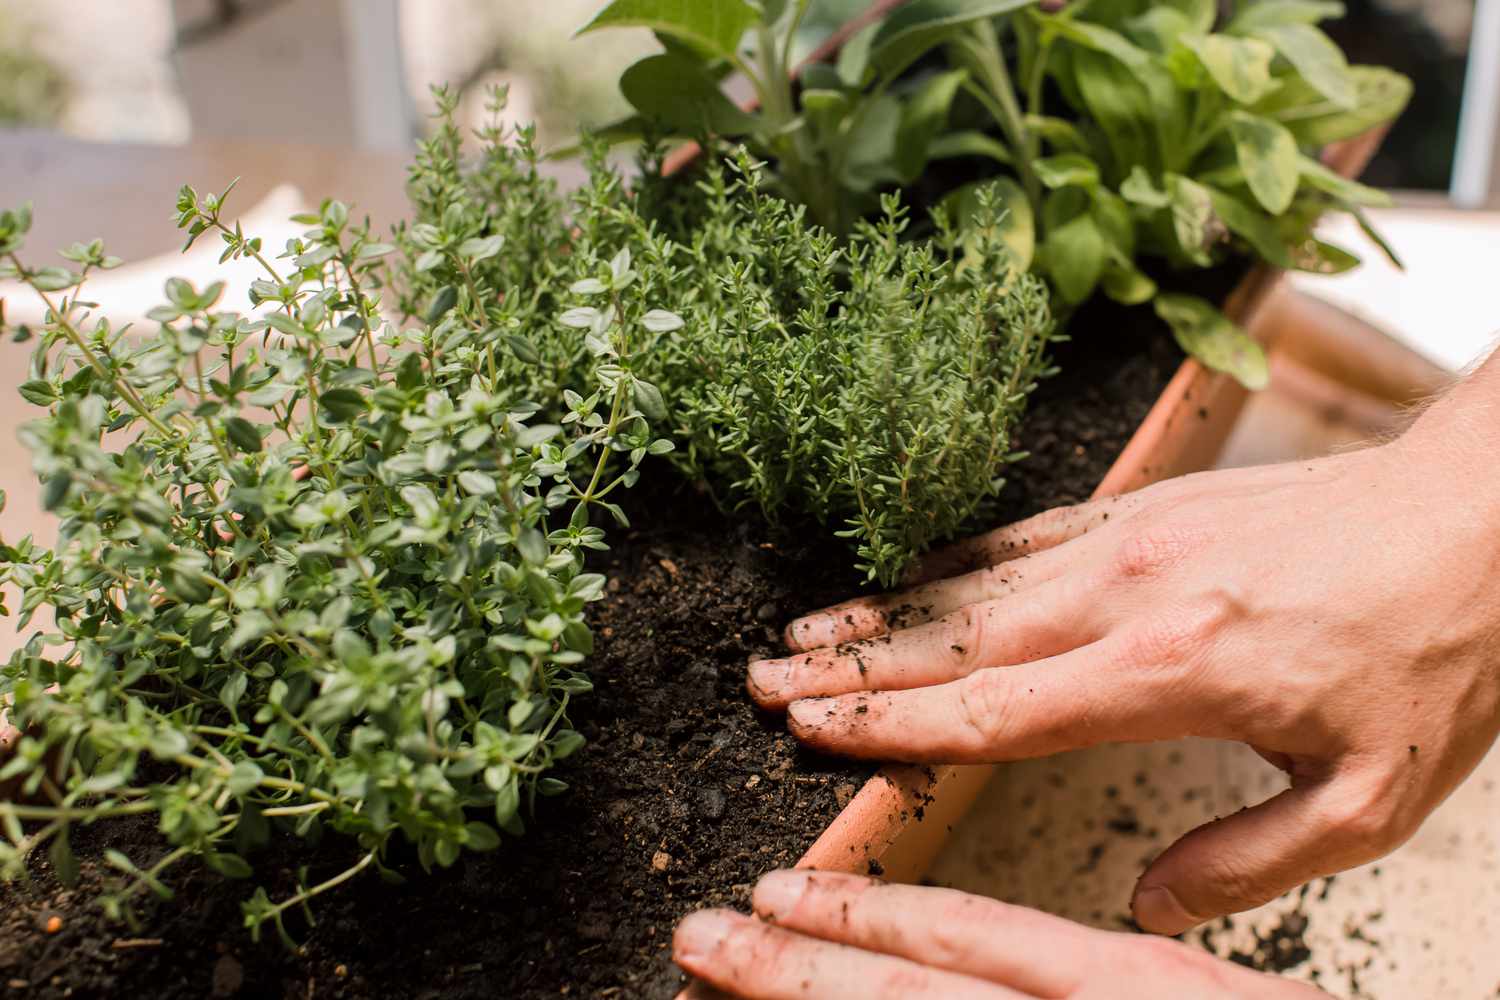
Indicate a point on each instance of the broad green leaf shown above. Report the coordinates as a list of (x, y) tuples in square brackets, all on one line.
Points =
[(1192, 212), (1075, 258), (1120, 105), (1208, 335), (1017, 227), (925, 115), (870, 148), (854, 58), (968, 142), (714, 26), (1201, 14), (1126, 285), (677, 91), (1316, 121), (1241, 67), (1253, 226), (1067, 169), (1318, 257), (1098, 38), (1317, 58), (1271, 13), (1059, 133), (1140, 189), (1159, 29), (1268, 155), (917, 27), (1348, 191)]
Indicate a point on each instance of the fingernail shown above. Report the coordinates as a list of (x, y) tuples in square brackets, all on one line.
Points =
[(767, 677), (797, 635), (1158, 911), (778, 893), (809, 713), (700, 935)]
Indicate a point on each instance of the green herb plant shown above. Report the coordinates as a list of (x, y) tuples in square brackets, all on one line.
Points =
[(872, 384), (1134, 131), (1126, 138), (314, 571), (834, 136)]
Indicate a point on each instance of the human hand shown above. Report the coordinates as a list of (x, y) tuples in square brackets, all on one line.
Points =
[(1341, 616), (822, 934)]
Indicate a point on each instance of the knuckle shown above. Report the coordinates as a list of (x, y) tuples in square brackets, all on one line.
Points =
[(1179, 636), (1151, 551), (949, 943), (982, 704), (1368, 820)]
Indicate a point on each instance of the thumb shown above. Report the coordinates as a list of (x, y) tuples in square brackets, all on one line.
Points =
[(1241, 861)]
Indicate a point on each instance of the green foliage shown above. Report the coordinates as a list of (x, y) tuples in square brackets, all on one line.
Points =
[(1130, 134), (849, 130), (1138, 131), (314, 571), (871, 384)]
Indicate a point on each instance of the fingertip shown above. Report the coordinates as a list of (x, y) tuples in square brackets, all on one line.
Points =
[(766, 681), (806, 717), (700, 935), (777, 893), (1158, 911), (790, 635)]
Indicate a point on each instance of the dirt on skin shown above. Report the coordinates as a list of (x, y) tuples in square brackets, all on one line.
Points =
[(682, 798)]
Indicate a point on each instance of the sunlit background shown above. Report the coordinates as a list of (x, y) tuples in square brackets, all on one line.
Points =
[(356, 72)]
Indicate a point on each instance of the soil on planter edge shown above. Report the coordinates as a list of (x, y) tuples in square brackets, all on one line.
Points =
[(683, 796)]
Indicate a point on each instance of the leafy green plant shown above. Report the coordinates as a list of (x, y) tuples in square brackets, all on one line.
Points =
[(314, 571), (1132, 130), (1124, 137), (873, 384), (834, 138)]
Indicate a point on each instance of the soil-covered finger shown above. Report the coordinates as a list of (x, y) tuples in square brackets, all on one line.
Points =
[(1048, 620), (1068, 702), (1024, 538), (1010, 945), (865, 617), (758, 961)]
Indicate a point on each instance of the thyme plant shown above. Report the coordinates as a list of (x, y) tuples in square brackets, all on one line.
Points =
[(313, 570), (872, 384)]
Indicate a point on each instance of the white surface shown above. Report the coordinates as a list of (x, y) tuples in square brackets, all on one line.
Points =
[(1446, 304), (128, 292)]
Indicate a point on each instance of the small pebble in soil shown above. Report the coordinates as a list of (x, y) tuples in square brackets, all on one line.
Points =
[(660, 860), (711, 803), (768, 613)]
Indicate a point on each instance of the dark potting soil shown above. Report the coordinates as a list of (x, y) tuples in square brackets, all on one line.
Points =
[(682, 798)]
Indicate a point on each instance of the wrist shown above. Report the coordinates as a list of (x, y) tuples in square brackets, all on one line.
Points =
[(1453, 448)]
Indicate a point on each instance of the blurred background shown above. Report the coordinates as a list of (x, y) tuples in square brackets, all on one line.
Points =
[(356, 72)]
